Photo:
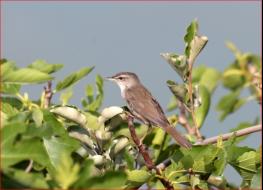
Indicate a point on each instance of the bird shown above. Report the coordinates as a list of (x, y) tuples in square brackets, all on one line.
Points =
[(143, 106)]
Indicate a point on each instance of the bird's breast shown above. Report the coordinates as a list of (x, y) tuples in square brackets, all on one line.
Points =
[(123, 91)]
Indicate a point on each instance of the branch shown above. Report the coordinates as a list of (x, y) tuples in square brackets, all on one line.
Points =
[(226, 136), (213, 140), (47, 94), (182, 119), (148, 161)]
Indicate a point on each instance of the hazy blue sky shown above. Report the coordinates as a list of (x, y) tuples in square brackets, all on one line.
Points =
[(130, 36)]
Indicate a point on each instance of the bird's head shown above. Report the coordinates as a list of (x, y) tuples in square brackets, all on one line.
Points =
[(125, 80)]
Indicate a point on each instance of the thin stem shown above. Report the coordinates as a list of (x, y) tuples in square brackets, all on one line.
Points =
[(182, 119), (148, 161), (47, 94), (226, 136)]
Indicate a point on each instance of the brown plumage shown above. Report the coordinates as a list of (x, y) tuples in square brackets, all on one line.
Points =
[(143, 106)]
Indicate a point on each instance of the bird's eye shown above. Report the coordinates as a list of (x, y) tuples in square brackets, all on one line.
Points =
[(121, 78)]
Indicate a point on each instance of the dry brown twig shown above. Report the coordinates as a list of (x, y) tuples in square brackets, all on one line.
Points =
[(47, 94)]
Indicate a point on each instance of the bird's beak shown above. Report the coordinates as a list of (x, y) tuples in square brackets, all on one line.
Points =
[(109, 78)]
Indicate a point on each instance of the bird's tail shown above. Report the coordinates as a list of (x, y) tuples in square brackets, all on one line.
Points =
[(177, 136)]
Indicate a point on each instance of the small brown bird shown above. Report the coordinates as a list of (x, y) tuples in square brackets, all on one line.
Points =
[(143, 106)]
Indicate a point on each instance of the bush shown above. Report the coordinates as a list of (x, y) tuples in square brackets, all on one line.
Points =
[(45, 144)]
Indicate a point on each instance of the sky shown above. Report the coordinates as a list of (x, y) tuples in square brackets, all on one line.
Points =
[(129, 36)]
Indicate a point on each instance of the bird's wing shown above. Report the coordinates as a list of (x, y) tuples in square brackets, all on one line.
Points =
[(141, 102), (146, 108)]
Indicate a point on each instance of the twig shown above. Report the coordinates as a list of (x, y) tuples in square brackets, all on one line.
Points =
[(148, 161), (183, 120), (212, 140), (226, 136), (48, 94), (29, 167)]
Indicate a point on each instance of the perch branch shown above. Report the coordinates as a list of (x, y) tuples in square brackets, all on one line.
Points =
[(212, 140), (226, 136), (148, 161)]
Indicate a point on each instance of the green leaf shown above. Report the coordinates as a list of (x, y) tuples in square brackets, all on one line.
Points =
[(26, 76), (50, 121), (34, 131), (202, 111), (25, 149), (37, 116), (65, 96), (194, 181), (9, 88), (179, 90), (158, 137), (203, 184), (220, 163), (199, 165), (13, 101), (210, 79), (89, 93), (66, 171), (112, 179), (94, 105), (233, 48), (72, 78), (231, 72), (28, 180), (8, 109), (187, 161), (191, 32), (229, 104), (6, 68), (9, 132), (178, 63), (44, 67), (246, 167), (206, 76), (231, 79), (233, 152), (208, 152), (137, 177), (86, 172), (58, 146), (198, 72)]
